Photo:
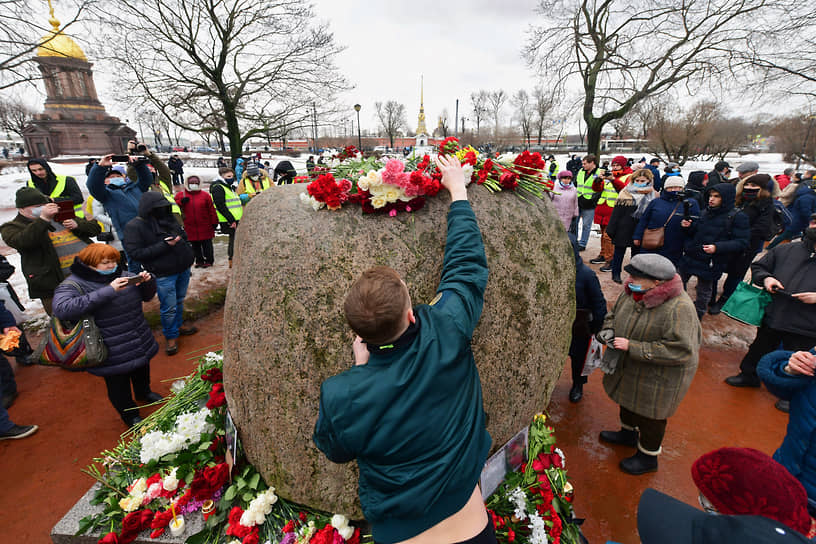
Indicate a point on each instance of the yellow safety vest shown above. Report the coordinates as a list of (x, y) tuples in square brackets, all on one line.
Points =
[(584, 184), (610, 194), (250, 189), (57, 192), (233, 203), (168, 195), (553, 173)]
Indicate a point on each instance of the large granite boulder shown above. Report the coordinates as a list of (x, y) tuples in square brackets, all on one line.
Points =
[(285, 331)]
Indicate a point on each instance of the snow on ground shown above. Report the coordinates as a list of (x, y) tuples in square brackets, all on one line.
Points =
[(204, 279)]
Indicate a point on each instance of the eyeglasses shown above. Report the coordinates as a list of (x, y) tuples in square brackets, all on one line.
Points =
[(707, 506)]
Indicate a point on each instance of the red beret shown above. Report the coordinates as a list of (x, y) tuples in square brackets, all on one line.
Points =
[(744, 481)]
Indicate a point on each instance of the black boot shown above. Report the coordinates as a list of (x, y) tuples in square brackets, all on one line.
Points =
[(617, 279), (639, 463), (577, 392), (700, 314), (716, 307), (743, 380), (624, 437)]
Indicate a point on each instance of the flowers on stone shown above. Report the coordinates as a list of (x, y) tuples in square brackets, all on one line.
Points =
[(188, 430), (259, 508)]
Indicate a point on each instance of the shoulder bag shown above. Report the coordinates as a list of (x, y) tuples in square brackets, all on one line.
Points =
[(73, 347), (747, 304), (654, 238)]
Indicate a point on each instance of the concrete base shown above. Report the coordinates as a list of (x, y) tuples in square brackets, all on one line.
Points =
[(64, 532)]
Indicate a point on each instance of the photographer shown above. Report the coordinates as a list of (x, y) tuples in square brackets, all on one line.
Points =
[(119, 195), (162, 177), (667, 212)]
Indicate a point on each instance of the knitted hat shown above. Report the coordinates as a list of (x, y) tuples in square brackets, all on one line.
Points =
[(674, 181), (651, 266), (29, 196), (744, 481), (253, 170), (564, 174), (749, 166), (763, 180), (621, 161)]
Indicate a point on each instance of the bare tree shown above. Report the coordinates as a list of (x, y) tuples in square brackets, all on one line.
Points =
[(525, 114), (622, 53), (14, 115), (496, 100), (479, 103), (545, 104), (796, 137), (21, 35), (257, 65), (392, 118)]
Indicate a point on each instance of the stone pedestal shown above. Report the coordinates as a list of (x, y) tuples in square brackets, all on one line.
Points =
[(285, 331)]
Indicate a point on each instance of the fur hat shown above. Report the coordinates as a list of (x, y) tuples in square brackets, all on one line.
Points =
[(652, 266), (621, 161), (29, 196), (565, 174), (745, 481), (674, 181), (748, 166)]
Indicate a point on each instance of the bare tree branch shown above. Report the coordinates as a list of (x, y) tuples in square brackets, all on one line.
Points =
[(392, 118)]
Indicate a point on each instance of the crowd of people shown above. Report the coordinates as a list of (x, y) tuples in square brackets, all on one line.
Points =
[(137, 235)]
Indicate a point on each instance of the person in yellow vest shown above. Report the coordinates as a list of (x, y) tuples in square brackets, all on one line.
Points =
[(228, 206), (47, 248), (254, 181), (614, 181), (589, 186), (57, 188)]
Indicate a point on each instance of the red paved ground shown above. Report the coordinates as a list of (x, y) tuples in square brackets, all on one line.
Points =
[(41, 476)]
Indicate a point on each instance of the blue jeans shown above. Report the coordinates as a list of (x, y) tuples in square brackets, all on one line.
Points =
[(171, 291), (586, 217)]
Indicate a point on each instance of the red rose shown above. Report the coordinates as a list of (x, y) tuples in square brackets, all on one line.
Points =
[(160, 522), (213, 375), (110, 538), (217, 396), (133, 524)]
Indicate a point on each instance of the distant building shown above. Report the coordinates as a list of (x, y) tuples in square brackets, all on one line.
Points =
[(421, 131), (74, 121)]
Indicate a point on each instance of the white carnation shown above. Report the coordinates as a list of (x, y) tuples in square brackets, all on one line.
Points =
[(519, 501), (339, 521), (468, 171), (538, 528), (346, 532)]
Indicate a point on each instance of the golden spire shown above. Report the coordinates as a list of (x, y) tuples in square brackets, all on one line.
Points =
[(56, 43), (421, 120)]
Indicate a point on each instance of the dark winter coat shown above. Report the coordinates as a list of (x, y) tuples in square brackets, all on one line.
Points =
[(41, 266), (199, 214), (696, 187), (798, 450), (118, 314), (794, 265), (47, 185), (724, 227), (664, 334), (589, 298), (145, 238), (622, 224), (655, 217), (803, 206), (760, 218), (284, 173), (656, 177), (175, 165), (121, 202)]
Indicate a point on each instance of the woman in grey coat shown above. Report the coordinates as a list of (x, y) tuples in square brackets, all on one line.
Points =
[(652, 358), (114, 298)]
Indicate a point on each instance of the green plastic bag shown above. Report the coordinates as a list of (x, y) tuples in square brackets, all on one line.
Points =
[(747, 304)]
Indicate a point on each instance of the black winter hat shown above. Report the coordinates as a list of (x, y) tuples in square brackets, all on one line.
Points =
[(29, 196)]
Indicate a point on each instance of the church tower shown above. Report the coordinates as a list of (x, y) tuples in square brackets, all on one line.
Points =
[(74, 121), (421, 131)]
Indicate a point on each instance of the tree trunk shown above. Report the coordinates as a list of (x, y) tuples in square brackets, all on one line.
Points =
[(593, 137)]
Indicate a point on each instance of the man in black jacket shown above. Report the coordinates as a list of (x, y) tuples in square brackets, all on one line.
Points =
[(788, 272), (155, 239), (55, 187)]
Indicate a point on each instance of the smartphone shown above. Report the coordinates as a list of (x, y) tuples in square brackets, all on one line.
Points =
[(66, 211), (134, 280), (120, 158)]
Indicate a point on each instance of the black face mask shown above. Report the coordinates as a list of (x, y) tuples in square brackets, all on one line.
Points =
[(750, 194), (162, 212), (671, 195), (810, 234)]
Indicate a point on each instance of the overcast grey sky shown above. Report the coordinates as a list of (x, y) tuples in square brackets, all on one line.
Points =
[(459, 46)]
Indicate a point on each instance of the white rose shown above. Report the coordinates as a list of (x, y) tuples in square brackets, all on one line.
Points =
[(170, 482), (339, 521), (378, 202), (392, 194), (346, 532)]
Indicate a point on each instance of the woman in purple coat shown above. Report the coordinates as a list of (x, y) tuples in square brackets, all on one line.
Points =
[(97, 286)]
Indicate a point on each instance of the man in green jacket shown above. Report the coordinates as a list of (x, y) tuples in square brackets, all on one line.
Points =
[(410, 409)]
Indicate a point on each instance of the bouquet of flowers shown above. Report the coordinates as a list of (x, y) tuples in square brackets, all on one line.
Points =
[(534, 505), (174, 464), (393, 185)]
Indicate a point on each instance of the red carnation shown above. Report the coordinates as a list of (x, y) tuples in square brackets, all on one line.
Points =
[(470, 158), (509, 180), (324, 536), (302, 516), (289, 527), (217, 396), (449, 146), (355, 538), (511, 535), (253, 537)]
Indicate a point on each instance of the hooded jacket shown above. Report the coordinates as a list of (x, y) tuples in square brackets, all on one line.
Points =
[(118, 314), (145, 238), (198, 212), (802, 207), (724, 227), (47, 186), (656, 216), (120, 201), (794, 265)]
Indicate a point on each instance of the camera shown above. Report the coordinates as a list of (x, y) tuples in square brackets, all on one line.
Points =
[(140, 148), (105, 237)]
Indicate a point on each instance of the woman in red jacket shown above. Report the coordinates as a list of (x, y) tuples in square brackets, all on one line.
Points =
[(199, 220), (614, 180)]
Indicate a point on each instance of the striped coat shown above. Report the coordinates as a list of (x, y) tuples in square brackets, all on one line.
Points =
[(664, 341)]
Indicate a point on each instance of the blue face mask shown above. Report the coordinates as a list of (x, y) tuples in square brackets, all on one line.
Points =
[(640, 185), (108, 272), (565, 185), (36, 211), (118, 181), (636, 288)]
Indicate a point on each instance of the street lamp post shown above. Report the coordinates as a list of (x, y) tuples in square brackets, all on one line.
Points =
[(359, 137)]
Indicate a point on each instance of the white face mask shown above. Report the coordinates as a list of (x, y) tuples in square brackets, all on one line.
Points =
[(195, 187)]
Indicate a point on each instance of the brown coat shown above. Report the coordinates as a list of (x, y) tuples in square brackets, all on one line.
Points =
[(664, 341)]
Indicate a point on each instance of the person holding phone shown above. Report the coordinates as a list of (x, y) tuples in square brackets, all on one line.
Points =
[(98, 286)]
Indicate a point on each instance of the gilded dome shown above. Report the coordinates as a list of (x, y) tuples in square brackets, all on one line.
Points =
[(57, 44)]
